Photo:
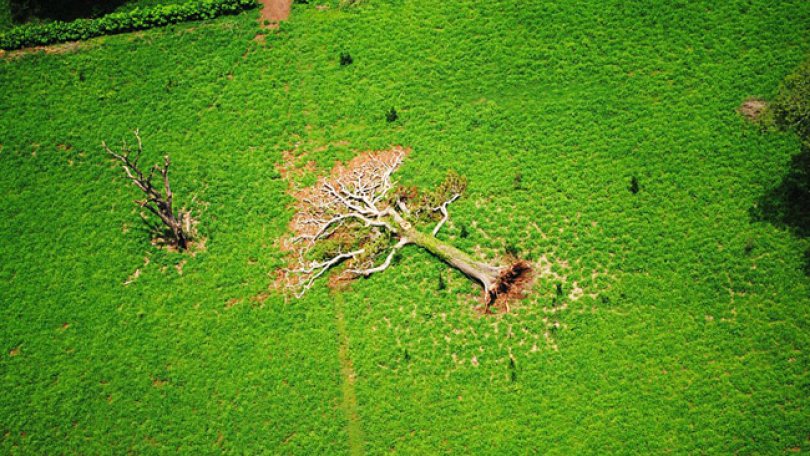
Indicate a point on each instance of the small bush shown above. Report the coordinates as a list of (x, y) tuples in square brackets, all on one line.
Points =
[(517, 182), (512, 370), (441, 285), (391, 115), (137, 19), (634, 188), (346, 59), (749, 246)]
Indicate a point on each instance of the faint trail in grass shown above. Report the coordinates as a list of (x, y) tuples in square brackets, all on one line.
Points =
[(348, 376)]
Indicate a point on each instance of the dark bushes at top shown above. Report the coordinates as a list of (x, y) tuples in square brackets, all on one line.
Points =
[(23, 11), (137, 19)]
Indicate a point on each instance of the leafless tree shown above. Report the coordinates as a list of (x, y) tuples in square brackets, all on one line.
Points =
[(360, 217), (156, 199)]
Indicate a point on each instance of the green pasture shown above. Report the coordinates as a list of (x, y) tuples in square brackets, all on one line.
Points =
[(681, 323)]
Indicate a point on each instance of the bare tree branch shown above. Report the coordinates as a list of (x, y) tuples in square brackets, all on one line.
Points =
[(367, 272), (445, 214), (156, 201), (315, 270)]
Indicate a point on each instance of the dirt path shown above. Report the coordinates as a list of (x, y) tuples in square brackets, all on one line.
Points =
[(275, 11), (348, 375)]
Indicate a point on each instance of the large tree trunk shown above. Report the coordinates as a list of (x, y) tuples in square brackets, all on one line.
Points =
[(486, 275)]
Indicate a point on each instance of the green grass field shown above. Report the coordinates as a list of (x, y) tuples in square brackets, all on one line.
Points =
[(683, 325)]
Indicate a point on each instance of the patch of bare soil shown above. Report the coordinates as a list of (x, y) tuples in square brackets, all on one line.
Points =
[(232, 302), (61, 48), (294, 166), (260, 298), (753, 108), (274, 11)]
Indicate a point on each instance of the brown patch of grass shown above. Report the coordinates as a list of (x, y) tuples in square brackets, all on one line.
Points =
[(53, 49), (339, 282), (14, 352), (293, 166), (260, 298), (179, 267), (753, 108), (193, 247), (232, 302)]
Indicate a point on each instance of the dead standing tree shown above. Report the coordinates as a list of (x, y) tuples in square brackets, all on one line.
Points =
[(359, 216), (158, 201)]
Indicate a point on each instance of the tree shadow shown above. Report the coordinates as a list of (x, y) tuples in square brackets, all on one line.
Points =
[(787, 206), (23, 11), (157, 233)]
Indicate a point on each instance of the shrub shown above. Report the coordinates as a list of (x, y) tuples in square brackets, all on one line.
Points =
[(634, 188), (391, 115), (517, 182), (791, 108), (346, 59), (137, 19)]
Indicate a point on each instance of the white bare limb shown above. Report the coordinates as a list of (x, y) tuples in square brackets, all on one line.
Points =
[(317, 269), (445, 214), (351, 198), (367, 272), (403, 207)]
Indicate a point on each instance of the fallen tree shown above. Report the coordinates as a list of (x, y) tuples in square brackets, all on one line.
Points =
[(360, 218)]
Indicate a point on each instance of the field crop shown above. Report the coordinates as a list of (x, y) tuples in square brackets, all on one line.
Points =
[(665, 319)]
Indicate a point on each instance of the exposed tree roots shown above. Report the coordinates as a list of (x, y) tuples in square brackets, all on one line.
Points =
[(511, 284)]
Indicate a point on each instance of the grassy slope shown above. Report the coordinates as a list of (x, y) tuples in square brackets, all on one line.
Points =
[(691, 344)]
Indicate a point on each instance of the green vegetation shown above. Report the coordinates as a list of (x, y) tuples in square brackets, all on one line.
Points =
[(136, 19), (788, 204), (665, 320), (5, 15), (791, 108), (37, 11)]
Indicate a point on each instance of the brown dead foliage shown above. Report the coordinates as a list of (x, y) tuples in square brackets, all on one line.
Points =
[(753, 108), (364, 164), (260, 298)]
